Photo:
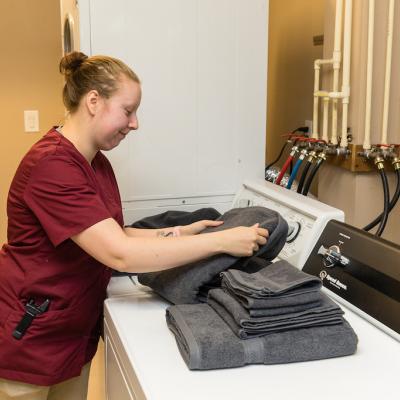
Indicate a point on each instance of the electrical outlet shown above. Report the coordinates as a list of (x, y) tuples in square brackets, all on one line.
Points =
[(308, 123), (31, 120)]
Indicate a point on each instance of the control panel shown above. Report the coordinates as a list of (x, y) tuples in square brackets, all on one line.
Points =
[(361, 271), (305, 216)]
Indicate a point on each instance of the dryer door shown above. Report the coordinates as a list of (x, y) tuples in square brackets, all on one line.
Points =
[(68, 34), (69, 25)]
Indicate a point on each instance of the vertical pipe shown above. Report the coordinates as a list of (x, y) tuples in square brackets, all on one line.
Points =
[(387, 72), (368, 100), (325, 119), (336, 65), (346, 69), (316, 102)]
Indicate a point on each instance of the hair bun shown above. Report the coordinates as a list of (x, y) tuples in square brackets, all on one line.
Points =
[(71, 62)]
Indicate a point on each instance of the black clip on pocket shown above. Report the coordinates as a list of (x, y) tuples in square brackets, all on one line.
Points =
[(31, 311)]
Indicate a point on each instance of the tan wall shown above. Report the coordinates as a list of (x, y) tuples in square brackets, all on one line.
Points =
[(291, 54), (30, 46), (360, 195)]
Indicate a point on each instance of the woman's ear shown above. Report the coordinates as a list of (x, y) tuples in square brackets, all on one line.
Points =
[(92, 100)]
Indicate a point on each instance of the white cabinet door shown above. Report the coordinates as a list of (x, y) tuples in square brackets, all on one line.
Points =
[(117, 387), (203, 66)]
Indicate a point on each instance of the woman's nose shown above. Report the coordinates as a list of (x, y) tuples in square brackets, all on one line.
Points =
[(133, 123)]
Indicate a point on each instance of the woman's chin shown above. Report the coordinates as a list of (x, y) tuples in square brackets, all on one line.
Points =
[(109, 146)]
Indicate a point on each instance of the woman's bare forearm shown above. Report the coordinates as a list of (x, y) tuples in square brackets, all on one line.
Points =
[(110, 245), (160, 253), (147, 232)]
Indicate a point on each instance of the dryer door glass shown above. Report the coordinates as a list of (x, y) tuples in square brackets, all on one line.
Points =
[(68, 35)]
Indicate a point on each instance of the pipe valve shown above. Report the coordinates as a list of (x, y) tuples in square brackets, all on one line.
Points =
[(379, 162), (311, 156), (396, 163)]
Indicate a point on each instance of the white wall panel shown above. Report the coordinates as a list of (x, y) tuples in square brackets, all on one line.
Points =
[(251, 42), (203, 68)]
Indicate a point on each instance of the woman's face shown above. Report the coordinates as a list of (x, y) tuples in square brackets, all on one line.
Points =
[(116, 116)]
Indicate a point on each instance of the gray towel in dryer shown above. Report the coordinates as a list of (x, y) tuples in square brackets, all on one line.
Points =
[(182, 284)]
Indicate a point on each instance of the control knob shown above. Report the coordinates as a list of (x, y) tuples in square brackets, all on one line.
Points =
[(293, 232), (332, 256)]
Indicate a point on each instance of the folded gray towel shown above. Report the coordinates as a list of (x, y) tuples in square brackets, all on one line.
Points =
[(206, 342), (265, 312), (246, 326), (181, 285), (247, 289), (279, 279)]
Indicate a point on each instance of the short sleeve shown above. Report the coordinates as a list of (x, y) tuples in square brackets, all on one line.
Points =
[(64, 198)]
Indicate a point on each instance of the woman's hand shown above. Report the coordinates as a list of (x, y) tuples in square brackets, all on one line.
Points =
[(197, 227), (243, 241)]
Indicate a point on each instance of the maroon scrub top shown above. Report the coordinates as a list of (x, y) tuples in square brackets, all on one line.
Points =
[(54, 195)]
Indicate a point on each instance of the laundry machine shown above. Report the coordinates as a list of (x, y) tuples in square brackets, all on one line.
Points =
[(69, 13), (305, 216), (143, 361)]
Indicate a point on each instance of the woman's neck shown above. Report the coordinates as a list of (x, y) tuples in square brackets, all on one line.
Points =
[(77, 132)]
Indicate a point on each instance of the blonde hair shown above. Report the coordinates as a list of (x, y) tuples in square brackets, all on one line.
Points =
[(83, 74)]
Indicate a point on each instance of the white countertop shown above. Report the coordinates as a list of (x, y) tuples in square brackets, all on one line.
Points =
[(121, 286), (138, 316)]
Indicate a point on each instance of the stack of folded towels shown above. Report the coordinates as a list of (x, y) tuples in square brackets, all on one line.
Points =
[(276, 315)]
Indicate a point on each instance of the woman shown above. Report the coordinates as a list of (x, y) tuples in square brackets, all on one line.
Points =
[(65, 235)]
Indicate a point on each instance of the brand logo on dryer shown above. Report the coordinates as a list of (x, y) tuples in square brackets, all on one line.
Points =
[(332, 281)]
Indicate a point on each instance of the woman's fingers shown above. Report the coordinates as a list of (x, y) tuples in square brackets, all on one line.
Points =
[(262, 232), (261, 240), (262, 235), (199, 226), (212, 223)]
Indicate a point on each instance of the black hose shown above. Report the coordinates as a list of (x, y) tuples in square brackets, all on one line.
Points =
[(311, 176), (303, 176), (392, 203), (277, 159), (386, 202)]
